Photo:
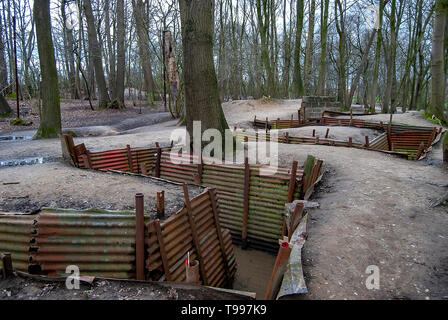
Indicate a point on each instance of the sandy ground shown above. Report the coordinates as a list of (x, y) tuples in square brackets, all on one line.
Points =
[(374, 208), (58, 185)]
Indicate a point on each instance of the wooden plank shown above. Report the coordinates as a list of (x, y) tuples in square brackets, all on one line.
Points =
[(212, 193), (195, 234), (162, 249)]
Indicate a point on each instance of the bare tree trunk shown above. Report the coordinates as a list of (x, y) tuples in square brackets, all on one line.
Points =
[(95, 49), (143, 45), (201, 86), (391, 60), (172, 71), (340, 27), (50, 122), (377, 59), (297, 74), (323, 54), (3, 68), (110, 48), (263, 26), (355, 81), (309, 49), (438, 69), (121, 54), (68, 32), (5, 109)]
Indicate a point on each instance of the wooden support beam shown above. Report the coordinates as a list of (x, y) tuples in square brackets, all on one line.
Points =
[(195, 235), (328, 132), (7, 269), (163, 252), (130, 161), (389, 137), (161, 204), (212, 194), (292, 182), (158, 161), (139, 237), (246, 201)]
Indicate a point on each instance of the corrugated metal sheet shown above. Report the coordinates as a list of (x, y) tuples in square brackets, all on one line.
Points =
[(170, 241), (99, 242), (16, 234)]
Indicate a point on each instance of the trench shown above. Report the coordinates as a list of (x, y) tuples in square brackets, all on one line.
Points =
[(27, 161), (254, 270)]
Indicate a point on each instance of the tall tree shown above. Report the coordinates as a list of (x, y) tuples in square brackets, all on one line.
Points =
[(340, 27), (95, 50), (264, 20), (68, 43), (50, 121), (121, 54), (297, 74), (3, 67), (201, 86), (143, 45), (5, 109), (438, 70), (309, 49), (323, 53), (379, 43)]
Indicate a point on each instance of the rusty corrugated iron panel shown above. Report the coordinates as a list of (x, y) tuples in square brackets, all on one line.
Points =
[(169, 243), (16, 233), (99, 242)]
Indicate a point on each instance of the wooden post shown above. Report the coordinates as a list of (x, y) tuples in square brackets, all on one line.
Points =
[(163, 252), (279, 269), (307, 173), (89, 160), (8, 269), (292, 181), (287, 137), (432, 137), (212, 193), (192, 270), (314, 132), (267, 125), (255, 120), (130, 162), (195, 234), (198, 177), (350, 142), (304, 114), (158, 160), (161, 204), (298, 211), (328, 132), (420, 151), (139, 237), (278, 124), (389, 137), (367, 142), (246, 201), (300, 120), (291, 124)]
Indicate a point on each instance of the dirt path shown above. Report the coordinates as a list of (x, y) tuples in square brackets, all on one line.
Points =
[(374, 207)]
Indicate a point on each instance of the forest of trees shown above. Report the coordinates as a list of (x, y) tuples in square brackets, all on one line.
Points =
[(272, 48)]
